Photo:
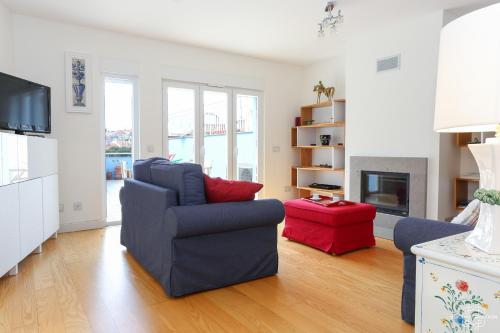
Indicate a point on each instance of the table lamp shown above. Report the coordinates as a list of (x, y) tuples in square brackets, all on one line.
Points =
[(468, 100)]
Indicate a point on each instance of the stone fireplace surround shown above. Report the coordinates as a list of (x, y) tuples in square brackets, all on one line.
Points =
[(415, 166)]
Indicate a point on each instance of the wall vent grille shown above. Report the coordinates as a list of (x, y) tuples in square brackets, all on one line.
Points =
[(389, 63)]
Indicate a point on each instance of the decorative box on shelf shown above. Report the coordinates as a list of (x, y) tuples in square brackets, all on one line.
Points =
[(457, 287)]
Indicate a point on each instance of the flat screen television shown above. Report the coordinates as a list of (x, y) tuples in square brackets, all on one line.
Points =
[(24, 105)]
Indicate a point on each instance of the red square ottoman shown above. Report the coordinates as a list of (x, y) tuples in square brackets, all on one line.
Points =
[(336, 230)]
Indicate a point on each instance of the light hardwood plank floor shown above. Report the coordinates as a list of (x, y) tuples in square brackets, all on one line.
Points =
[(86, 282)]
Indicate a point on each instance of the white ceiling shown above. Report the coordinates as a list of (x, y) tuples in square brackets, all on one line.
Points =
[(279, 30)]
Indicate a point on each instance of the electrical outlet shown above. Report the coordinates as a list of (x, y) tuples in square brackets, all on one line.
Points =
[(150, 148), (61, 208), (288, 189), (276, 149), (77, 206)]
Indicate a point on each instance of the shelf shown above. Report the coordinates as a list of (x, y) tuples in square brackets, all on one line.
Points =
[(472, 138), (468, 179), (338, 192), (319, 169), (318, 105), (320, 147), (323, 104), (323, 125), (464, 187)]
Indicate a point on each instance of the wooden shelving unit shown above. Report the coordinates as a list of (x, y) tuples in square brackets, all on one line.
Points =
[(326, 118), (465, 185), (464, 191), (463, 139)]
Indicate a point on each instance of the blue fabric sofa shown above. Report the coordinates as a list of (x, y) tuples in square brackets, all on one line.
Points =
[(187, 244), (411, 231)]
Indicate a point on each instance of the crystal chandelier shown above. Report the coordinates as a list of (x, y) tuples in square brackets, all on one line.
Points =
[(331, 20)]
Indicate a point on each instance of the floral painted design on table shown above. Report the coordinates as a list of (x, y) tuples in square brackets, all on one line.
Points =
[(78, 67), (466, 310)]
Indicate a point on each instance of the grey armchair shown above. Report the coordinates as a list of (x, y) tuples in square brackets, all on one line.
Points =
[(195, 246)]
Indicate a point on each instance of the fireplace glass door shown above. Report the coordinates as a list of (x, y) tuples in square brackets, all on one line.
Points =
[(387, 191)]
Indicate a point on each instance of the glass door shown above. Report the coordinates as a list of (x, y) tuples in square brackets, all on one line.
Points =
[(216, 138), (182, 142), (215, 127), (120, 114), (246, 150)]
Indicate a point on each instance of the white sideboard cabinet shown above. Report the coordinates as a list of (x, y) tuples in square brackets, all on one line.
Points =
[(29, 197), (457, 287)]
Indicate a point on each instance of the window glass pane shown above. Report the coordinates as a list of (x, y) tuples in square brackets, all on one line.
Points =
[(181, 117), (246, 137), (215, 111)]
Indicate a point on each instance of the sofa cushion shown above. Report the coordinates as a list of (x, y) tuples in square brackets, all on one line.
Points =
[(185, 178), (142, 168), (221, 190)]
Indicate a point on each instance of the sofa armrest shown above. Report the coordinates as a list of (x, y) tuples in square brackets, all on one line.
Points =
[(187, 221), (150, 198), (411, 231)]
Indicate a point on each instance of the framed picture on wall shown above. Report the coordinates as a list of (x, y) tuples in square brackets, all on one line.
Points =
[(78, 83)]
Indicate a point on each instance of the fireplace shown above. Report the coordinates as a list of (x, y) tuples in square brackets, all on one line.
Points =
[(387, 191)]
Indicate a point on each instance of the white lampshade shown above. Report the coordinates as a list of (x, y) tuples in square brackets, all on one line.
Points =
[(468, 86)]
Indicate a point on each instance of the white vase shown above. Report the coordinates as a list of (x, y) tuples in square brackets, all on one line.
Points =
[(486, 235)]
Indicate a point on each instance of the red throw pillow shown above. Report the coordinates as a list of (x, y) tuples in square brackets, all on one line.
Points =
[(221, 190)]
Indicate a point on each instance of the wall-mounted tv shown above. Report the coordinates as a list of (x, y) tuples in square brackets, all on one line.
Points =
[(24, 105)]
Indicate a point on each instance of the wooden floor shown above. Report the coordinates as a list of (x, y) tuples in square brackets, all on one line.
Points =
[(86, 282)]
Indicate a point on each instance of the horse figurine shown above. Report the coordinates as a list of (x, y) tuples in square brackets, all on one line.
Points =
[(321, 89), (329, 92)]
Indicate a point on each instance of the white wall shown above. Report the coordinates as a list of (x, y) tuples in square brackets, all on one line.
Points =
[(331, 72), (39, 56), (6, 41), (391, 114)]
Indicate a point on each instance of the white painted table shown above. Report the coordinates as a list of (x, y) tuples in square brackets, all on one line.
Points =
[(457, 288)]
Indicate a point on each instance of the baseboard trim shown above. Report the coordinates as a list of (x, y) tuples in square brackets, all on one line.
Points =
[(81, 226), (384, 233), (113, 223)]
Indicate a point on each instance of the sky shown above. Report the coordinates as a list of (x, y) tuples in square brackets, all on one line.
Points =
[(119, 97)]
